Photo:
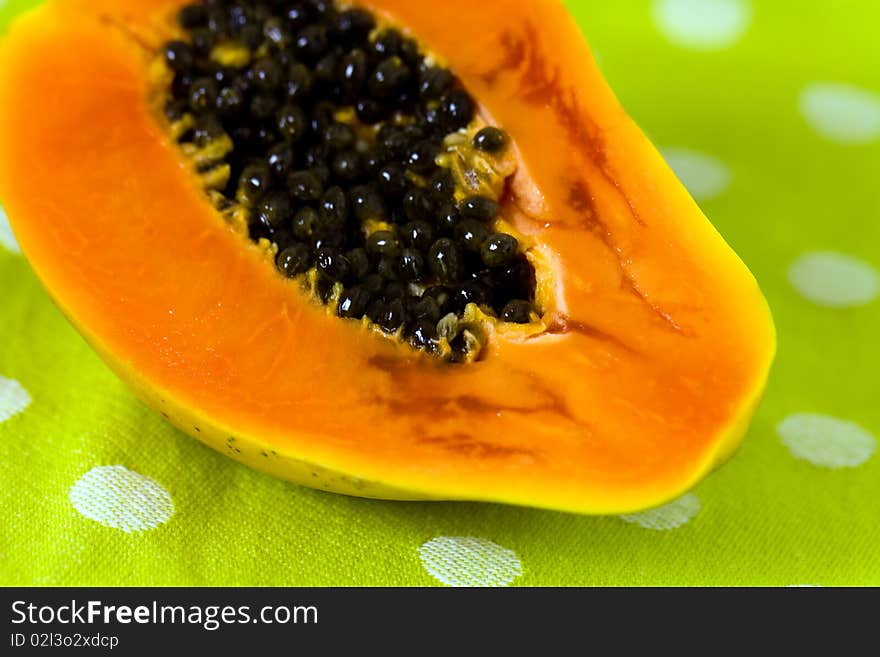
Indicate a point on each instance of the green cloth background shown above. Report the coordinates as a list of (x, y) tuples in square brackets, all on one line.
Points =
[(765, 518)]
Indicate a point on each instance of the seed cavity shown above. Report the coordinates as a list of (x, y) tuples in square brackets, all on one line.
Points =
[(361, 165)]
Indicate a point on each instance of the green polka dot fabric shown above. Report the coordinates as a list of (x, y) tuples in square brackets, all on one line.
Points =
[(770, 114)]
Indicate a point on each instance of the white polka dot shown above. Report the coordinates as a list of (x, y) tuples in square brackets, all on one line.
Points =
[(469, 561), (669, 516), (702, 24), (13, 398), (842, 113), (826, 441), (7, 239), (834, 280), (704, 176), (120, 498)]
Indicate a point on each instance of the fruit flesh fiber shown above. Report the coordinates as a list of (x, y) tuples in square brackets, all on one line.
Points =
[(668, 344)]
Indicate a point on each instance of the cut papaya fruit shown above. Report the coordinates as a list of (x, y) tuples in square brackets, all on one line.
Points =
[(380, 250)]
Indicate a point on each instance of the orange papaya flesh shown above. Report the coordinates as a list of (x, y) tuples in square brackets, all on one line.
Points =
[(657, 345)]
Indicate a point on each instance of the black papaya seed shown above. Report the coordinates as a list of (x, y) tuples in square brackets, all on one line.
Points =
[(356, 156)]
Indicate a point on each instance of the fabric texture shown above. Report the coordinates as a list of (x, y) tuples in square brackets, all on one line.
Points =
[(773, 122)]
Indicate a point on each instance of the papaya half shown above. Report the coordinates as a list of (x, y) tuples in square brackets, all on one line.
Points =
[(378, 249)]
